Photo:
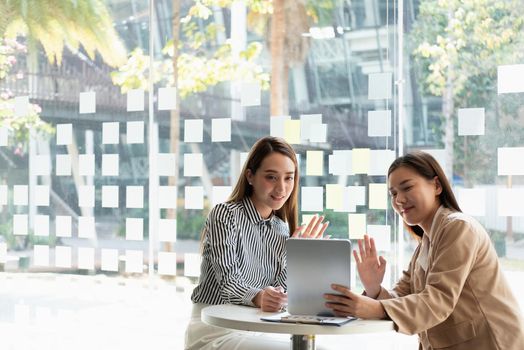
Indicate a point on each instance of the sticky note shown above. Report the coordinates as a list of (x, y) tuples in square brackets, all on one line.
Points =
[(378, 196), (3, 253), (135, 196), (134, 229), (110, 197), (41, 195), (135, 132), (167, 230), (20, 195), (166, 98), (63, 257), (194, 197), (192, 265), (110, 164), (340, 162), (356, 226), (3, 195), (250, 94), (510, 78), (348, 202), (379, 162), (509, 202), (471, 121), (472, 201), (277, 125), (379, 123), (63, 226), (134, 261), (64, 134), (220, 194), (42, 165), (167, 263), (63, 165), (439, 155), (41, 255), (312, 198), (168, 198), (315, 163), (86, 164), (357, 194), (166, 164), (193, 130), (87, 102), (308, 125), (306, 219), (381, 234), (4, 136), (334, 194), (135, 100), (193, 164), (221, 130), (319, 134), (109, 259), (379, 86), (110, 133), (86, 227), (86, 196), (86, 258), (292, 131), (21, 106), (510, 161), (41, 227), (360, 160)]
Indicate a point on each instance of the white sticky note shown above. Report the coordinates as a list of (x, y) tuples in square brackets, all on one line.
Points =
[(41, 227), (277, 125), (193, 130), (312, 198), (63, 165), (243, 158), (166, 98), (193, 164), (134, 229), (135, 132), (63, 257), (42, 195), (4, 136), (135, 196), (472, 201), (110, 133), (41, 255), (87, 102), (379, 86), (471, 121), (86, 227), (134, 261), (167, 263), (110, 197), (340, 162), (360, 160), (63, 226), (378, 196), (168, 198), (348, 202), (292, 131), (319, 134), (166, 164), (3, 253), (308, 125), (250, 94), (86, 258), (86, 196), (3, 195), (86, 164), (381, 234), (192, 265), (194, 197), (20, 224), (315, 163), (510, 160), (110, 164), (357, 194), (379, 162), (167, 230), (221, 130), (20, 194), (334, 195), (510, 78), (356, 226), (220, 194), (109, 259), (21, 106), (509, 202), (42, 165), (64, 134), (379, 123), (135, 100)]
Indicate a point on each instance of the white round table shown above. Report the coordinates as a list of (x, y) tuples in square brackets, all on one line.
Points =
[(247, 318)]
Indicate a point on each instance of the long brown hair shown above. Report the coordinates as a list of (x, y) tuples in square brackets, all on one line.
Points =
[(426, 166), (260, 150)]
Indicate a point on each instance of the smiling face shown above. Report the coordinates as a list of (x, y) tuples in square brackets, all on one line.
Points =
[(414, 197), (272, 183)]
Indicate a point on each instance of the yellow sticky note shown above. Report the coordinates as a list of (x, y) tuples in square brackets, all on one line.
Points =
[(360, 160), (378, 196), (315, 163), (356, 226), (292, 131), (334, 196)]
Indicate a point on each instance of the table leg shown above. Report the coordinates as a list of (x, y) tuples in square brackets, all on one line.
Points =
[(302, 342)]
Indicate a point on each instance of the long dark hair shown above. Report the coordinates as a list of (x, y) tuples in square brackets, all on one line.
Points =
[(426, 166)]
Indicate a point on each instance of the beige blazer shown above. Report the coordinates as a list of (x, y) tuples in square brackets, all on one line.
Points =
[(453, 293)]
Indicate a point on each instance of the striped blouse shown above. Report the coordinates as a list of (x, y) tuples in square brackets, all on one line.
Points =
[(242, 254)]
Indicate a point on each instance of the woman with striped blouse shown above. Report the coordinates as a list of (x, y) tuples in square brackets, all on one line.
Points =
[(243, 246)]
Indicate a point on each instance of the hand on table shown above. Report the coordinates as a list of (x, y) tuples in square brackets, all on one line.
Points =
[(315, 229), (271, 299), (346, 303), (371, 268)]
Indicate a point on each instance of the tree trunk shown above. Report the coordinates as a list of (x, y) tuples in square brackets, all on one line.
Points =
[(279, 78)]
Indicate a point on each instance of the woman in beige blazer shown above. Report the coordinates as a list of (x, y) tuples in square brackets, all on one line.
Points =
[(453, 294)]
